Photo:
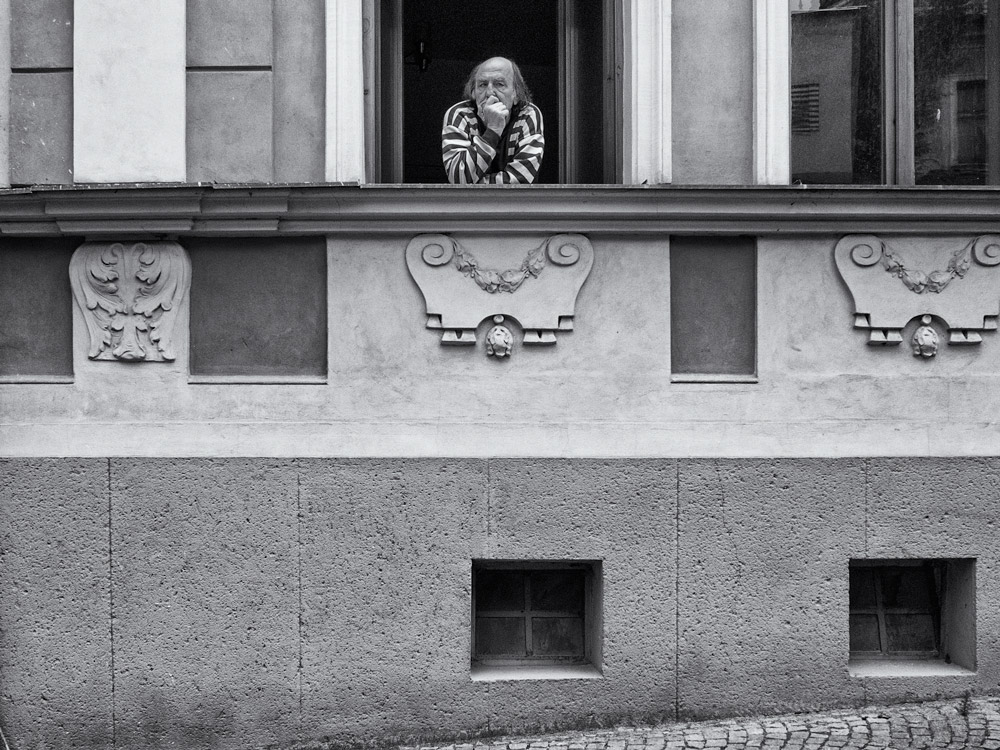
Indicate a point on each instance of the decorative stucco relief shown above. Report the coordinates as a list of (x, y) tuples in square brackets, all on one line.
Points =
[(537, 289), (891, 287), (130, 294)]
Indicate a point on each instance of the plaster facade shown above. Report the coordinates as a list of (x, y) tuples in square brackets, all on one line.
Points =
[(277, 547)]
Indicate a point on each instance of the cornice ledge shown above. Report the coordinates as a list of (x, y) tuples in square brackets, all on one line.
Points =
[(405, 209)]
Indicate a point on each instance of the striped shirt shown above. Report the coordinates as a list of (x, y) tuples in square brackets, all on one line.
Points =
[(470, 157)]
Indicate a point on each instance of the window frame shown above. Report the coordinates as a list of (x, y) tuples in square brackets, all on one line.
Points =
[(936, 568), (955, 623), (774, 42), (590, 614), (641, 130)]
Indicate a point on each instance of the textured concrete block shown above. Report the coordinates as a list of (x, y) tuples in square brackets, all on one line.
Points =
[(229, 32), (940, 508), (205, 602), (386, 596), (299, 90), (229, 129), (36, 314), (763, 584), (41, 128), (55, 603), (41, 33), (621, 512)]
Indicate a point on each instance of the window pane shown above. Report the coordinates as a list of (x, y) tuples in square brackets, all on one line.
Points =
[(557, 636), (950, 119), (837, 95), (864, 633), (862, 588), (557, 590), (910, 632), (499, 590), (906, 588), (500, 636)]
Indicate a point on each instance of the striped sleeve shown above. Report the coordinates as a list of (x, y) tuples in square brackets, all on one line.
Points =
[(528, 150), (466, 154)]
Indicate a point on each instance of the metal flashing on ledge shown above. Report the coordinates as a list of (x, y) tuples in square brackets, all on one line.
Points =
[(408, 210)]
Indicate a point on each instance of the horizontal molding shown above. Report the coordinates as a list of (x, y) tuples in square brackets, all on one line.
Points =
[(405, 210), (849, 438)]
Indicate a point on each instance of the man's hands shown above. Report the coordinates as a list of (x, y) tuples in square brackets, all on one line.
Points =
[(493, 112)]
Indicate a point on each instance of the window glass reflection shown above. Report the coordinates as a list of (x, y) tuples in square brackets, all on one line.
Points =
[(949, 76), (837, 96)]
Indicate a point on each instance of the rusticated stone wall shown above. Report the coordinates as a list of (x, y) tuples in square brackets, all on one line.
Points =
[(240, 602)]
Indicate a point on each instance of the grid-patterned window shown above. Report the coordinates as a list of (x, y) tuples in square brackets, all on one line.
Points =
[(805, 108), (895, 610), (540, 613)]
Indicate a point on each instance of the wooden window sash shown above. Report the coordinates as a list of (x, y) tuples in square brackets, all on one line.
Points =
[(880, 610), (528, 614)]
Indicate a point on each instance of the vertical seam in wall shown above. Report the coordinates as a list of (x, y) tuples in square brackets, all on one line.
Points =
[(489, 501), (866, 504), (298, 526), (111, 614), (677, 589)]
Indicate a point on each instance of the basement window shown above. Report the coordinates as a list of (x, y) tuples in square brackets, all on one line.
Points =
[(535, 620), (912, 617)]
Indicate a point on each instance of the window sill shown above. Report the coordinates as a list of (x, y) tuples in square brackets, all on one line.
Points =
[(915, 668), (37, 379), (257, 380), (696, 378), (494, 673)]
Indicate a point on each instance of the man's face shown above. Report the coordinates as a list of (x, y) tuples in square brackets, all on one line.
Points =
[(495, 78)]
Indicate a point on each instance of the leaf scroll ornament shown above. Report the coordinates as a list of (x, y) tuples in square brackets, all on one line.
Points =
[(129, 294), (510, 280), (935, 282)]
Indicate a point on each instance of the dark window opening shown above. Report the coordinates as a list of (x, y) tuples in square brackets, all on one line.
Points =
[(568, 51), (916, 610), (534, 613)]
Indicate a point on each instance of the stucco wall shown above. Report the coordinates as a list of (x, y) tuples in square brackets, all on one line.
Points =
[(603, 390), (713, 89), (197, 602)]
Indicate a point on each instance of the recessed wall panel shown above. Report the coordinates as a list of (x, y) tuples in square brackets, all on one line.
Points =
[(41, 128), (713, 304), (258, 307), (229, 129), (36, 317)]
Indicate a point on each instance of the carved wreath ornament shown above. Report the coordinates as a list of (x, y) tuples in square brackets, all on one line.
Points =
[(129, 294), (535, 289), (958, 288)]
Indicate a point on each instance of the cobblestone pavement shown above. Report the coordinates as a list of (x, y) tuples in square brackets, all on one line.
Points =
[(972, 724)]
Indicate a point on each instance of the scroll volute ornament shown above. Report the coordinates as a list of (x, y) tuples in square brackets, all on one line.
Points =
[(892, 285), (130, 294), (462, 288)]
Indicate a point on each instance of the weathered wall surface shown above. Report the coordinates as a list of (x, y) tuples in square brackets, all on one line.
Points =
[(237, 602), (712, 103), (603, 390)]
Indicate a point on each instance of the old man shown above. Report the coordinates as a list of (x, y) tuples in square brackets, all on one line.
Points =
[(495, 134)]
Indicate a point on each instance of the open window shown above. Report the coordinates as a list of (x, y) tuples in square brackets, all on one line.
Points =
[(568, 50)]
